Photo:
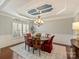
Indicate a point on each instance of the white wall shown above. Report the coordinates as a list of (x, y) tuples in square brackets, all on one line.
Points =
[(63, 38), (61, 28), (6, 38), (5, 25)]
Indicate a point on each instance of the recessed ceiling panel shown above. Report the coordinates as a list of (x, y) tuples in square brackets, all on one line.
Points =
[(47, 10), (32, 11), (36, 13), (44, 7)]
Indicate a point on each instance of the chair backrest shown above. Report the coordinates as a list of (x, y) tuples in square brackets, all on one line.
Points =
[(28, 38), (36, 42), (38, 35), (47, 35), (51, 39), (28, 34)]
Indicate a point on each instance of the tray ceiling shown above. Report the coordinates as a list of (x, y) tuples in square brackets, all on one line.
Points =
[(60, 8)]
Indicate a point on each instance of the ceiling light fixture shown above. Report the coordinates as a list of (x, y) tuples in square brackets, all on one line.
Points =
[(39, 21)]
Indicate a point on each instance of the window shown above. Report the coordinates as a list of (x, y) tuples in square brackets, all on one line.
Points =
[(24, 28), (15, 29), (27, 28), (19, 29)]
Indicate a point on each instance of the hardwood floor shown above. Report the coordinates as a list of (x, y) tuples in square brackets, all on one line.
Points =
[(6, 53)]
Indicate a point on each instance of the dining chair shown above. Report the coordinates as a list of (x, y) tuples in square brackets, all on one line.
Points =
[(36, 44), (28, 41), (38, 35), (47, 35), (47, 44)]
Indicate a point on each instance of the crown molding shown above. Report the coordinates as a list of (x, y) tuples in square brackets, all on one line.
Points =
[(4, 3), (13, 16)]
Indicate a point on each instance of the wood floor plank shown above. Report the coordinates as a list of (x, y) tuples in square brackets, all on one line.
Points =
[(6, 53)]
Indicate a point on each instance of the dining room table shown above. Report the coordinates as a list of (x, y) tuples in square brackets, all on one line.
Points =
[(42, 38)]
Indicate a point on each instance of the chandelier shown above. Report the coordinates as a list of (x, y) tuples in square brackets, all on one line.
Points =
[(39, 21)]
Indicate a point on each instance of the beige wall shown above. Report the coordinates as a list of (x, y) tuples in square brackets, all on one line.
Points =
[(59, 26), (5, 25), (7, 40), (6, 37)]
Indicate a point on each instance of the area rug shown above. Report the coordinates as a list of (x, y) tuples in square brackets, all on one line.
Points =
[(58, 52)]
